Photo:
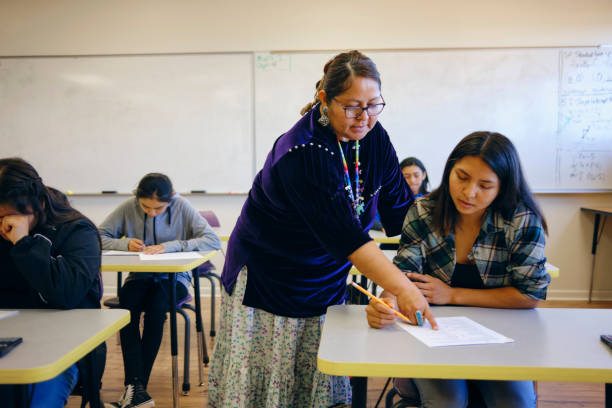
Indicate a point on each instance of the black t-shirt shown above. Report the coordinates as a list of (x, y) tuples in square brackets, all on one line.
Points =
[(466, 276)]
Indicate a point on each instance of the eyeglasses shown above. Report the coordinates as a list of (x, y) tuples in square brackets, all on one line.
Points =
[(351, 112)]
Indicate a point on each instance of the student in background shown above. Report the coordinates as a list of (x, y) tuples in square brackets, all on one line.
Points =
[(477, 240), (415, 175), (305, 220), (50, 259), (155, 221)]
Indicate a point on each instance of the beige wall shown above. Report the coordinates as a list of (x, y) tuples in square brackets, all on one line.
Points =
[(569, 245), (568, 242), (86, 27), (68, 27)]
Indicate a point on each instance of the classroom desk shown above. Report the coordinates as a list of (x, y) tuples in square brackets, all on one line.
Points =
[(550, 345), (596, 234), (53, 340), (132, 263)]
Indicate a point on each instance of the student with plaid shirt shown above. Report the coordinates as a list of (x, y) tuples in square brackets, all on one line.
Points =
[(477, 240)]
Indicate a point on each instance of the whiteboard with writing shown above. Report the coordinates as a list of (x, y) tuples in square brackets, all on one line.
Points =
[(96, 123), (436, 97), (585, 119)]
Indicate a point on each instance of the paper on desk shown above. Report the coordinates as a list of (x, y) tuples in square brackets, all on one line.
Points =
[(170, 256), (8, 313), (455, 331), (115, 252)]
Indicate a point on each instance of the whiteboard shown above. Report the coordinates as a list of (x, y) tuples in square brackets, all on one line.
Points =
[(100, 123), (97, 123), (435, 98)]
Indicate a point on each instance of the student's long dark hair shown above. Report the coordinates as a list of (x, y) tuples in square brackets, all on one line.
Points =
[(22, 188), (413, 161), (338, 74), (500, 154)]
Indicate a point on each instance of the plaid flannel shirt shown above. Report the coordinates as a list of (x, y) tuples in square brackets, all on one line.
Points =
[(506, 252)]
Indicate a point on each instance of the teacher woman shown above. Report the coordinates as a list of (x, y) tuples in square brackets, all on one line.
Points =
[(305, 221)]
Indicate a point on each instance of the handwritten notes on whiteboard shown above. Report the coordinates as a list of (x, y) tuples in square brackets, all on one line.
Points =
[(584, 142), (272, 62)]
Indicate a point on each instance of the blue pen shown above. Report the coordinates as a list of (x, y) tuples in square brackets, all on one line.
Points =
[(419, 317)]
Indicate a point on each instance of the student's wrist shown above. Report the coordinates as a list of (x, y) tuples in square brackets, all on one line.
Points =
[(455, 296)]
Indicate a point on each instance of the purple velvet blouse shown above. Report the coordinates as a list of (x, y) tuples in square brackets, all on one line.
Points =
[(297, 226)]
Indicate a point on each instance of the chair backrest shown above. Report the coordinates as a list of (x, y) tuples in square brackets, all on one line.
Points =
[(211, 218)]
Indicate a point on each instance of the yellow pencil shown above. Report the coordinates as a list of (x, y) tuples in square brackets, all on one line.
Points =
[(368, 294)]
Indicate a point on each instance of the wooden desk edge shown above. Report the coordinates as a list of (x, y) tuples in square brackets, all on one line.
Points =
[(464, 372), (38, 374), (159, 268)]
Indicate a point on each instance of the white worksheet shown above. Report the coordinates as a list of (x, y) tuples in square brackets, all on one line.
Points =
[(8, 313), (170, 256), (115, 252), (454, 331)]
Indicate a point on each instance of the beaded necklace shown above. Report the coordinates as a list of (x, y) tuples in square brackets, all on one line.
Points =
[(356, 199)]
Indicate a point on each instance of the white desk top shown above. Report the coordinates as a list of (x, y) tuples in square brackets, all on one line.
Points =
[(133, 263), (550, 345), (53, 340)]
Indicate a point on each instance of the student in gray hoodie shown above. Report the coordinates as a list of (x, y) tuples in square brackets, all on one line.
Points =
[(157, 220)]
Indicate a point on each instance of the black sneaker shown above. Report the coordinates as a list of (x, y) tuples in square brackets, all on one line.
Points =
[(135, 396)]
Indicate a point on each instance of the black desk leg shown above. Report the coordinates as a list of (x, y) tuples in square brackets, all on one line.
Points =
[(22, 395), (593, 252), (93, 393), (363, 299), (360, 391), (199, 328), (174, 341), (608, 395)]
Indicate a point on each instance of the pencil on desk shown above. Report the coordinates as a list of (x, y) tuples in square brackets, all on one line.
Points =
[(368, 294)]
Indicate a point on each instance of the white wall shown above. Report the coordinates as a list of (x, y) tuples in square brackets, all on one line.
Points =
[(569, 245), (69, 27), (77, 27)]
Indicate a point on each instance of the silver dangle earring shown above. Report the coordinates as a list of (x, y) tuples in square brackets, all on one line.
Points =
[(324, 119)]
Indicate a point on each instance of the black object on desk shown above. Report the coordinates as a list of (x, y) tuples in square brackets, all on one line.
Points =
[(109, 191), (607, 339), (8, 343)]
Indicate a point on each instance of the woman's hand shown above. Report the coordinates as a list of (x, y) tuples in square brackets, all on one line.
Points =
[(135, 245), (380, 316), (15, 227), (434, 290), (411, 300), (154, 249)]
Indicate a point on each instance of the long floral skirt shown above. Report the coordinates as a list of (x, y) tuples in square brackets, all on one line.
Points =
[(264, 360)]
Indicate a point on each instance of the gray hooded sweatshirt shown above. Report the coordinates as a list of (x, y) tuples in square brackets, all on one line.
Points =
[(180, 228)]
